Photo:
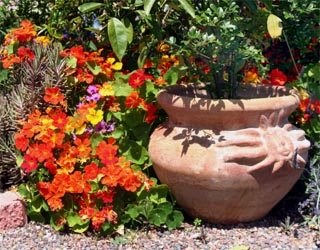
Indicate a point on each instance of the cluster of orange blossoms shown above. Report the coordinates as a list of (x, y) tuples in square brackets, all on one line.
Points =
[(48, 141), (22, 35), (62, 144)]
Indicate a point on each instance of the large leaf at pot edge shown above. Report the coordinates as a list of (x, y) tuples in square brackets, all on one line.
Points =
[(118, 37)]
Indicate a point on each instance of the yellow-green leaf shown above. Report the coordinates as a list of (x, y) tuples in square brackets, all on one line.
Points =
[(274, 26)]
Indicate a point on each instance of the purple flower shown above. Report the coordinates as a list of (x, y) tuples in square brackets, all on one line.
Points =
[(79, 105), (74, 137), (105, 127), (89, 130), (101, 127), (92, 89), (94, 97)]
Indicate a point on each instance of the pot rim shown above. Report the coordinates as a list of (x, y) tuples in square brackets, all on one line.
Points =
[(271, 97)]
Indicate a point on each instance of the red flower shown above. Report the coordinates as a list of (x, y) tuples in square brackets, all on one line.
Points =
[(304, 119), (151, 110), (30, 163), (303, 105), (59, 120), (133, 100), (51, 166), (91, 171), (25, 53), (78, 53), (138, 78), (277, 77), (315, 106), (21, 142)]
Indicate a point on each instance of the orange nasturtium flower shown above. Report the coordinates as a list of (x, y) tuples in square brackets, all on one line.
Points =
[(107, 152), (22, 34), (53, 96), (251, 76), (133, 100), (9, 60), (109, 66)]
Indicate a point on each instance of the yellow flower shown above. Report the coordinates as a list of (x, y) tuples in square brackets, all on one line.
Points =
[(42, 39), (94, 116), (303, 94), (114, 66), (106, 90), (80, 130)]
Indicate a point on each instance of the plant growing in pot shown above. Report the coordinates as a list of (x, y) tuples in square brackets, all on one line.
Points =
[(227, 151)]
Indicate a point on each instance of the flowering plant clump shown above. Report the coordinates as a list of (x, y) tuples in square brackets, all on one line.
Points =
[(85, 154)]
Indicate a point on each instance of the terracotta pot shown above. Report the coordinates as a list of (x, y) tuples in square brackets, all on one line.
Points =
[(228, 161)]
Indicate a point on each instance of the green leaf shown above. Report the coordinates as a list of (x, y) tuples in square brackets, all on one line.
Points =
[(141, 132), (106, 228), (133, 117), (118, 36), (36, 203), (187, 7), (133, 151), (92, 46), (94, 68), (24, 191), (148, 6), (36, 216), (157, 216), (159, 193), (133, 211), (86, 7), (74, 219), (174, 220), (11, 48), (172, 75), (71, 62), (121, 88), (314, 72), (315, 125), (129, 28), (19, 160), (251, 4), (3, 75), (117, 133), (80, 228), (95, 139), (142, 57), (54, 218)]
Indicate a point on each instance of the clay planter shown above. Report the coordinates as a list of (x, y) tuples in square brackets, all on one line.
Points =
[(228, 161)]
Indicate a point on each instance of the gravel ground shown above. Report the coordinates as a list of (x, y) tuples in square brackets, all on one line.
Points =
[(261, 235), (280, 230)]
